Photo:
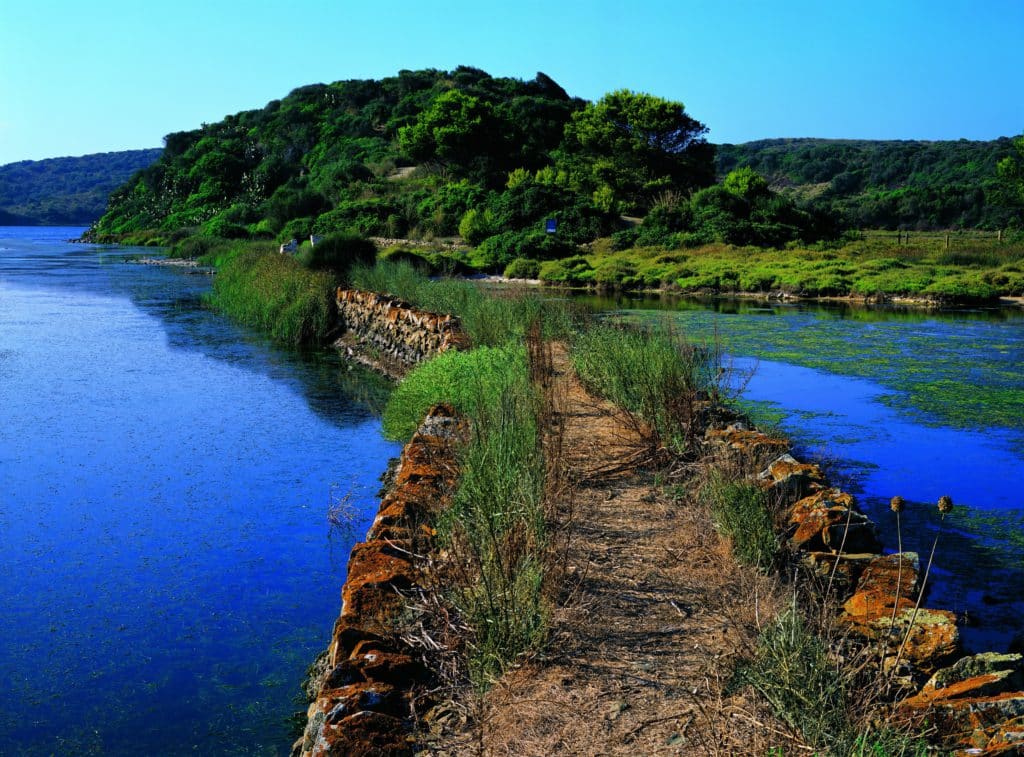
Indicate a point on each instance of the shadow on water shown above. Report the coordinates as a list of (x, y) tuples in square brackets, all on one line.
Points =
[(175, 296)]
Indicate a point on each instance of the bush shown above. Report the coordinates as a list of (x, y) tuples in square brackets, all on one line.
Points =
[(196, 247), (297, 228), (522, 268), (572, 271), (338, 253), (409, 257)]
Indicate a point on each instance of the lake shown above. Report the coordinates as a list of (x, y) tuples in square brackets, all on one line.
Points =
[(168, 567)]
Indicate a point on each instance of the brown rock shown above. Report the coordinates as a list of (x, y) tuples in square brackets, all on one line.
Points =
[(791, 478), (887, 581)]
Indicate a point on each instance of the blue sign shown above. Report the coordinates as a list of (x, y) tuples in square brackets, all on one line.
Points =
[(551, 225)]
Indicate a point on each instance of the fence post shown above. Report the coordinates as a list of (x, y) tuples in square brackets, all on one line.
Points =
[(1000, 238), (947, 240)]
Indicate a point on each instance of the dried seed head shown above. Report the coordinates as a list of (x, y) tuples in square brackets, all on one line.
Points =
[(945, 504), (896, 504)]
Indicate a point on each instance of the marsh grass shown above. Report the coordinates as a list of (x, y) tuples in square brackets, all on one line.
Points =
[(656, 378), (490, 319), (973, 268), (495, 532), (273, 292), (469, 381), (824, 698)]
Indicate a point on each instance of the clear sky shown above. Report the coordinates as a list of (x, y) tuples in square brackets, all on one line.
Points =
[(81, 77)]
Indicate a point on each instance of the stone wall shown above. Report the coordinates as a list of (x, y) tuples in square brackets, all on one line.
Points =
[(977, 702), (393, 332), (367, 692)]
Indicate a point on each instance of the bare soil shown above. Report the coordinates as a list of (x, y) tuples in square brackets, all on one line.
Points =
[(655, 614)]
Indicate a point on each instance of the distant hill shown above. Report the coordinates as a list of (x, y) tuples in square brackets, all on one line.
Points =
[(66, 191), (882, 184)]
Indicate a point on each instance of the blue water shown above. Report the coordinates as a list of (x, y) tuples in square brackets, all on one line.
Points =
[(852, 388), (168, 570)]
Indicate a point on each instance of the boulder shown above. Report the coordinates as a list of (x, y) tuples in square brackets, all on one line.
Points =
[(977, 704), (791, 478)]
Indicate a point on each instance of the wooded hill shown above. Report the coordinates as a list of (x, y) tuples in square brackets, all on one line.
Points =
[(884, 184), (65, 191), (433, 154)]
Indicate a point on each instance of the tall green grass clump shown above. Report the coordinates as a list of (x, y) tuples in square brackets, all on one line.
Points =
[(740, 512), (495, 530), (465, 380), (651, 374), (273, 292)]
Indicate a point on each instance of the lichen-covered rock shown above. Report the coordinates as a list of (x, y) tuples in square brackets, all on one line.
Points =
[(791, 478), (887, 581), (932, 637), (976, 703), (739, 438), (827, 519)]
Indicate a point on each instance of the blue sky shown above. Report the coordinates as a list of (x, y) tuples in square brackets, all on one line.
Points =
[(79, 77)]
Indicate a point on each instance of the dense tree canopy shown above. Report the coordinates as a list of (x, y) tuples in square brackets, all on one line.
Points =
[(884, 184), (69, 191), (628, 147), (1009, 190)]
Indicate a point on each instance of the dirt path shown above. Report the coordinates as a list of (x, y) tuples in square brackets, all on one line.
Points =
[(658, 613)]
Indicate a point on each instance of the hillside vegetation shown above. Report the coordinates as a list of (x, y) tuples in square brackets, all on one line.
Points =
[(65, 191), (885, 184), (518, 177), (434, 154)]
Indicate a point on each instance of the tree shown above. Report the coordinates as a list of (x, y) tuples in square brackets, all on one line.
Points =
[(1010, 178), (637, 145), (459, 131)]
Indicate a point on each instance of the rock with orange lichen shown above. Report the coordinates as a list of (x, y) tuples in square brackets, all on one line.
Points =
[(828, 520), (887, 581), (739, 438), (977, 704), (371, 676), (931, 637), (840, 571), (791, 478)]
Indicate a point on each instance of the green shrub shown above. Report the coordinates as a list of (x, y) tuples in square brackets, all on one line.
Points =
[(573, 271), (522, 268), (196, 247), (338, 253), (476, 226), (297, 228), (409, 257)]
